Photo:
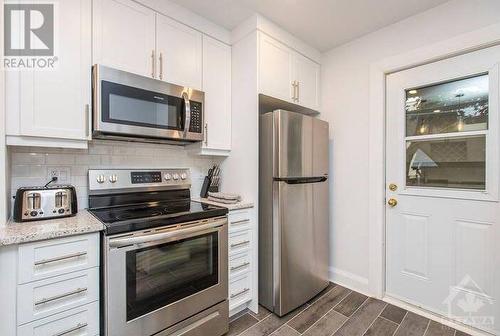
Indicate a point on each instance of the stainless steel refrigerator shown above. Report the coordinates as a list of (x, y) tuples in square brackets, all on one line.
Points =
[(293, 209)]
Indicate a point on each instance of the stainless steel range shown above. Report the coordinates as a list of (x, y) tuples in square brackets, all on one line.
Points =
[(164, 257)]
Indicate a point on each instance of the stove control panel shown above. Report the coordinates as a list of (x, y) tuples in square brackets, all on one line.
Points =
[(115, 179)]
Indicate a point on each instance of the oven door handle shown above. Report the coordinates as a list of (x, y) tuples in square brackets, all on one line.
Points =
[(150, 238)]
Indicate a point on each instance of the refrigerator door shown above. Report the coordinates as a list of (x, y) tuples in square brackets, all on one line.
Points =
[(300, 243)]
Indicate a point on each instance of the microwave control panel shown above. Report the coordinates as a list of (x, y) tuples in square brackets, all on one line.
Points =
[(196, 117)]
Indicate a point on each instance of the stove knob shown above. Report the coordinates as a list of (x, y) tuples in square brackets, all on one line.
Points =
[(167, 177), (113, 178), (101, 179), (184, 176), (176, 176)]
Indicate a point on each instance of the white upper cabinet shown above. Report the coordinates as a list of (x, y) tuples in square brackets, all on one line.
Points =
[(306, 75), (179, 52), (285, 74), (217, 87), (275, 68), (124, 36), (55, 103)]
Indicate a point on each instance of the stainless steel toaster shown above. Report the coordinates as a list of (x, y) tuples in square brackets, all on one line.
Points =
[(38, 203)]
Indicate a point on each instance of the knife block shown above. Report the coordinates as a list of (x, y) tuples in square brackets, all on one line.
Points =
[(207, 186)]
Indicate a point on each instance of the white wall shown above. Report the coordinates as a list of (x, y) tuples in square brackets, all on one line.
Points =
[(345, 104)]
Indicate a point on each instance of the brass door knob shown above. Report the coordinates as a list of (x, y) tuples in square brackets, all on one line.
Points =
[(392, 202)]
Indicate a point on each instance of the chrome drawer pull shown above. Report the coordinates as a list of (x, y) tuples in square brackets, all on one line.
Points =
[(240, 222), (246, 290), (61, 296), (240, 244), (240, 266), (52, 260), (78, 327)]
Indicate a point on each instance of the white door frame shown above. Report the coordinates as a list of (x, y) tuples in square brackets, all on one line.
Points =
[(461, 44)]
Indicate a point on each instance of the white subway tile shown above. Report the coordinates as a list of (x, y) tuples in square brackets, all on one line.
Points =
[(28, 158), (63, 159)]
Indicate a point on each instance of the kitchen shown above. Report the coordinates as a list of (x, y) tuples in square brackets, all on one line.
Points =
[(205, 78)]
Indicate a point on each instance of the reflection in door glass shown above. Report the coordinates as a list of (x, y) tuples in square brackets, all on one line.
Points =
[(447, 163), (456, 106)]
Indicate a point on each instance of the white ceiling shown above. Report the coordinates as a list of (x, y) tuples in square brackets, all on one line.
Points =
[(323, 24)]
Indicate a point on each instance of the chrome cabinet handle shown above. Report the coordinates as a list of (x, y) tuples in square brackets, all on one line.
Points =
[(65, 257), (161, 65), (75, 328), (61, 296), (206, 134), (240, 222), (246, 290), (294, 86), (298, 91), (241, 243), (87, 120), (153, 65), (235, 268)]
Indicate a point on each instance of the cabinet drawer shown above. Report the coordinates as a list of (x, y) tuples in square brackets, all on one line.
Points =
[(239, 242), (36, 300), (240, 264), (41, 260), (81, 321), (238, 215), (240, 290)]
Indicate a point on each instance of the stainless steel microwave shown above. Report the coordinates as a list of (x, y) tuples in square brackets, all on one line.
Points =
[(127, 106)]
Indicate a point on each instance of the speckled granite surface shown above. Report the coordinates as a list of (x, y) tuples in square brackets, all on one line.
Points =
[(237, 206), (17, 233)]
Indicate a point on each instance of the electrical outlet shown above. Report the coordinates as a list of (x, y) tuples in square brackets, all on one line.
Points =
[(62, 173)]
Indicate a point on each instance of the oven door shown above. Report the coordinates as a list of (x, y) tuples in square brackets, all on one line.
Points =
[(130, 105), (155, 280)]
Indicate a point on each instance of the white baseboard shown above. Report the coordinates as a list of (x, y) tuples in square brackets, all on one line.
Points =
[(350, 280)]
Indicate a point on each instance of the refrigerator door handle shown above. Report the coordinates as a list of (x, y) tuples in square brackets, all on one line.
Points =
[(301, 180)]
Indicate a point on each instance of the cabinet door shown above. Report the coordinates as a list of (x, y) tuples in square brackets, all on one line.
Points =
[(306, 73), (179, 49), (217, 87), (55, 103), (124, 36), (275, 68)]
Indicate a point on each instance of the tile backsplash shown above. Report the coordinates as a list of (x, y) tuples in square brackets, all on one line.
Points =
[(31, 166)]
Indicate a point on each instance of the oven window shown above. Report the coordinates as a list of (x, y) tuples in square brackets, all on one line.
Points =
[(127, 105), (163, 274)]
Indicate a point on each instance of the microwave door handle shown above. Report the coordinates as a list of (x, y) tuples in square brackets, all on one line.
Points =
[(187, 113)]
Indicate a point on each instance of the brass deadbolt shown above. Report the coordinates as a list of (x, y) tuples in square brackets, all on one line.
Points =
[(393, 187)]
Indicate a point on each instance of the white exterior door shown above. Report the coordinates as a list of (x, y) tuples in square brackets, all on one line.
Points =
[(443, 235)]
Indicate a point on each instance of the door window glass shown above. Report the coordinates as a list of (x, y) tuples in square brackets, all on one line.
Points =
[(446, 129)]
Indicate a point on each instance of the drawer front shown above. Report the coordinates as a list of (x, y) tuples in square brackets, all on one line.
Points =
[(240, 225), (240, 290), (41, 260), (81, 321), (36, 300), (239, 242), (238, 215), (240, 264)]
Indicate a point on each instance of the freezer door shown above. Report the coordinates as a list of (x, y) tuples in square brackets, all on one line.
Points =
[(300, 243), (301, 145)]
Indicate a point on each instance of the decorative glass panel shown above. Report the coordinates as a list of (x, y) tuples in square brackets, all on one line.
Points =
[(447, 163), (456, 106)]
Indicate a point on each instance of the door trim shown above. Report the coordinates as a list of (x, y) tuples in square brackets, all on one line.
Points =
[(459, 45)]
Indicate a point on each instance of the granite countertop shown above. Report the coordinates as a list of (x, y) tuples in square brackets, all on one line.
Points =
[(237, 206), (17, 233)]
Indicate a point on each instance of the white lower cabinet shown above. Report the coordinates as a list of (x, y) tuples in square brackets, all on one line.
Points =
[(80, 321), (242, 261)]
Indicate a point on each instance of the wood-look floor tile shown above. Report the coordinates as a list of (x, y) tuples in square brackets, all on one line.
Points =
[(393, 313), (285, 330), (381, 327), (241, 324), (438, 329), (331, 285), (361, 320), (351, 303), (262, 313), (412, 325), (319, 308), (327, 325), (270, 324)]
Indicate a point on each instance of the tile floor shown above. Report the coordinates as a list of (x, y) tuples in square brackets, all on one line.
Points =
[(338, 311)]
